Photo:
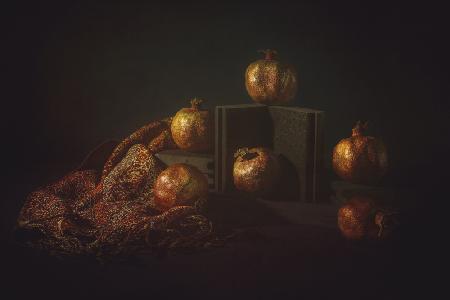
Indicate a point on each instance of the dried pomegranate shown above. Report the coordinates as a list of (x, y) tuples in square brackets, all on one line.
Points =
[(256, 170), (356, 218), (268, 81), (180, 184), (192, 128), (360, 158), (362, 218)]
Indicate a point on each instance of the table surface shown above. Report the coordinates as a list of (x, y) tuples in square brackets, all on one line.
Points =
[(284, 250), (274, 257)]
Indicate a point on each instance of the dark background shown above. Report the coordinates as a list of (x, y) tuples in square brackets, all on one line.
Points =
[(78, 74)]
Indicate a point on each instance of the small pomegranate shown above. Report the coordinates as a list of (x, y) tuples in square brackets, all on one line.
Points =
[(269, 81), (360, 158), (192, 128), (256, 170), (180, 184), (356, 218), (361, 218)]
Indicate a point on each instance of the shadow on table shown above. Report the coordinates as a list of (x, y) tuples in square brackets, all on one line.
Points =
[(235, 211)]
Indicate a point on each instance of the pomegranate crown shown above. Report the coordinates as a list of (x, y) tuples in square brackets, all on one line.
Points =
[(269, 53), (196, 103), (359, 128), (241, 152)]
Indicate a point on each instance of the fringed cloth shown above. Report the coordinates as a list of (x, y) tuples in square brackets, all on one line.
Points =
[(106, 207)]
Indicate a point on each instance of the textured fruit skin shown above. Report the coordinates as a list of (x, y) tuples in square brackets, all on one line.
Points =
[(271, 82), (356, 219), (192, 129), (360, 158), (256, 170), (179, 185)]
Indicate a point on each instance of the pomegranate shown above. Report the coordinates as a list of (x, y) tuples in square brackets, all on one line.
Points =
[(360, 158), (179, 184), (268, 81), (256, 170), (192, 128)]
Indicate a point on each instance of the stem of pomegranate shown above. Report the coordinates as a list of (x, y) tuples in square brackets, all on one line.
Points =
[(196, 103), (241, 152), (359, 128), (269, 54)]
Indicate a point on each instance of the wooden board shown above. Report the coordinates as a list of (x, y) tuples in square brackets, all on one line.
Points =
[(295, 133), (298, 138), (238, 126)]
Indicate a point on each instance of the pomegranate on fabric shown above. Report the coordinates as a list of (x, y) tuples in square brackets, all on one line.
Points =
[(180, 184)]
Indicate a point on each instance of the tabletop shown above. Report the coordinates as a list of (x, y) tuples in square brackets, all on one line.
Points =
[(281, 250)]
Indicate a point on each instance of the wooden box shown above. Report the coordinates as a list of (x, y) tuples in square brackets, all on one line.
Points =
[(295, 133)]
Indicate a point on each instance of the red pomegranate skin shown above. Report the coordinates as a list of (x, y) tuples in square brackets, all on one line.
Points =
[(179, 184), (360, 158), (356, 218), (256, 170)]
